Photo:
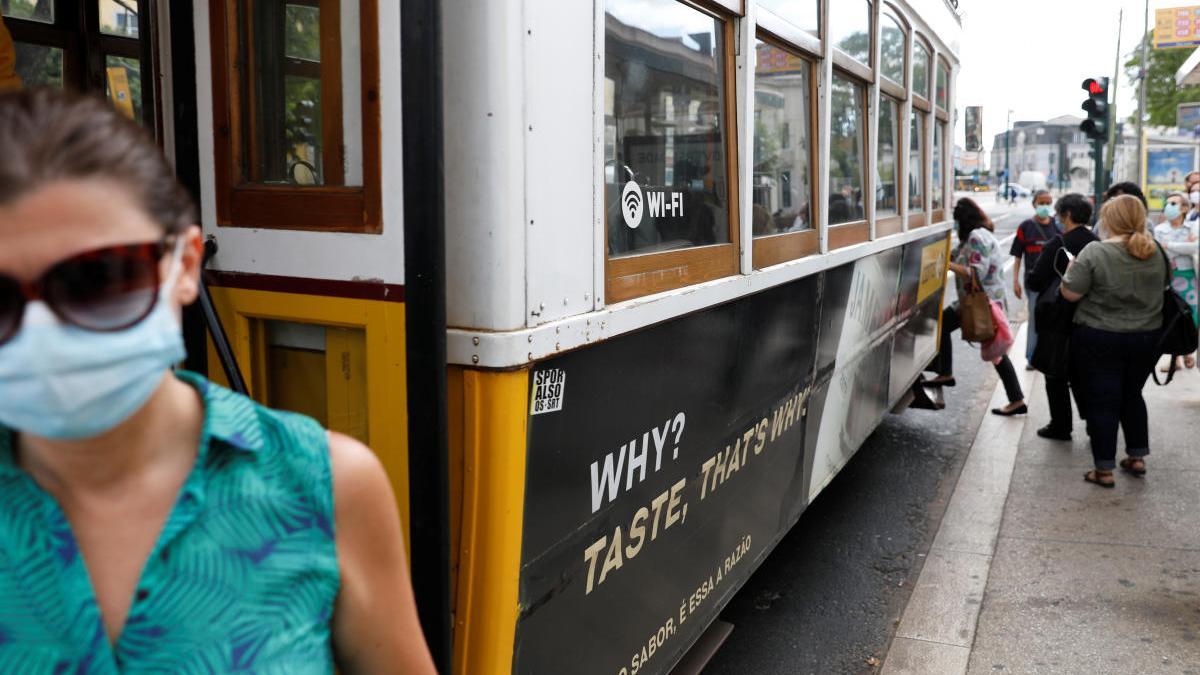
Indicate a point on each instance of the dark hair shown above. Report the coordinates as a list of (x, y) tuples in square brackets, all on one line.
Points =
[(969, 217), (1126, 188), (1039, 193), (1076, 206), (49, 135)]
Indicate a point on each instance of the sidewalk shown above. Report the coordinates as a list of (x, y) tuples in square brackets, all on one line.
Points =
[(1035, 571)]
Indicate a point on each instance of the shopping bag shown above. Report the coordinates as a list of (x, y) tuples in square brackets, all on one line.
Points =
[(1002, 341), (975, 310)]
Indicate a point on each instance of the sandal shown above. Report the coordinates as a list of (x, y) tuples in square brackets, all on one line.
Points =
[(1102, 478), (1134, 465)]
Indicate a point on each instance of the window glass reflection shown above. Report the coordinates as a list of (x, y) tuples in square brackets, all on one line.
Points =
[(920, 70), (665, 169), (32, 10), (885, 186), (846, 116), (123, 85), (782, 150), (891, 49), (916, 163), (39, 65), (850, 28), (801, 13), (119, 17), (942, 77), (935, 183)]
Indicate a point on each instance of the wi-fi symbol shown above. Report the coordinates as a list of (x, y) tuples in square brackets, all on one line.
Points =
[(632, 203)]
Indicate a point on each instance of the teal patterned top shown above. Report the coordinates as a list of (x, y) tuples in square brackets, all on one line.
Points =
[(242, 579)]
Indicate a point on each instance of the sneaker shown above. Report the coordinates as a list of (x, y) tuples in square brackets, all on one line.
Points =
[(1054, 434)]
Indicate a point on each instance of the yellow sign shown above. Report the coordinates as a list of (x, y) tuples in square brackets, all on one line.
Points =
[(1177, 27), (933, 270), (118, 91)]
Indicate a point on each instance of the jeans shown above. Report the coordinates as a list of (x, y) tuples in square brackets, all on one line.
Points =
[(1031, 334), (944, 363), (1112, 368)]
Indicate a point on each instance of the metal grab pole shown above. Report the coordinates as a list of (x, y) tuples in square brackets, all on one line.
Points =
[(216, 331)]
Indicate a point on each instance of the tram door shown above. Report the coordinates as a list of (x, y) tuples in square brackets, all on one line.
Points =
[(100, 46)]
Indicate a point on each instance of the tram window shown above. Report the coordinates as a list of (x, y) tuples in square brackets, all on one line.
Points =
[(119, 17), (846, 136), (850, 28), (31, 10), (891, 46), (297, 122), (669, 190), (782, 142), (886, 197), (39, 65), (935, 182), (916, 163), (920, 70), (941, 79), (803, 14)]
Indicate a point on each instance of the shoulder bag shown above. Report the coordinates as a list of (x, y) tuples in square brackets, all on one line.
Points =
[(975, 309), (1179, 336)]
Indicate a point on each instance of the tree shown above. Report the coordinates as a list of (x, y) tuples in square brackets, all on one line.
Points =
[(1162, 96)]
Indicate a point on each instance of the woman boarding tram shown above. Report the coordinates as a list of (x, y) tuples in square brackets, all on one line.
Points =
[(694, 253), (154, 520)]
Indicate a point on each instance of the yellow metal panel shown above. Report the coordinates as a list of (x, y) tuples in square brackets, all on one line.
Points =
[(381, 354), (492, 410)]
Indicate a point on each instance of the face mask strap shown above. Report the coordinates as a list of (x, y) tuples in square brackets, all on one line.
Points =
[(176, 267)]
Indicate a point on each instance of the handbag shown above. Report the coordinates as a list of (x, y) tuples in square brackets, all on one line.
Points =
[(1179, 336), (1002, 341), (975, 311)]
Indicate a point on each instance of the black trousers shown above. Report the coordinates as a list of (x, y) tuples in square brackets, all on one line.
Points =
[(1058, 394), (944, 363), (1113, 368)]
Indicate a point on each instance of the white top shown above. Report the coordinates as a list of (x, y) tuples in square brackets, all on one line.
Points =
[(1180, 243)]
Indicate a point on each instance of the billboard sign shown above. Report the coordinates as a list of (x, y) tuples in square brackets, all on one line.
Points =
[(1177, 27), (1166, 167), (974, 126), (1187, 116)]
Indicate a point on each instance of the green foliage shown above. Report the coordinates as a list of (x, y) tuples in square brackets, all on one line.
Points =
[(1162, 96)]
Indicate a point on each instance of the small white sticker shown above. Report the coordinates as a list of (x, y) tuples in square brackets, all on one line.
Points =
[(548, 389)]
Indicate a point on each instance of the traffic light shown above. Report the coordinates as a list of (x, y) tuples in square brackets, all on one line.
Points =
[(1096, 105)]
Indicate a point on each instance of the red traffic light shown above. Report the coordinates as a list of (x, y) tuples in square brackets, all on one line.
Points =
[(1094, 86)]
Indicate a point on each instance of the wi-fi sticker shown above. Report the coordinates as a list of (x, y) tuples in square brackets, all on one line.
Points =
[(632, 204)]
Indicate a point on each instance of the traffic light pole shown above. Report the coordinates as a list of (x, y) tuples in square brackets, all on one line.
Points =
[(1101, 183)]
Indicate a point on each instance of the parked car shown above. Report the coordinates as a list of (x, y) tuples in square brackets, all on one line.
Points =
[(1013, 191)]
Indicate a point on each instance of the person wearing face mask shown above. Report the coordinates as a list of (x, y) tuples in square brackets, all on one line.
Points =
[(1192, 181), (1179, 239), (1031, 237), (152, 520)]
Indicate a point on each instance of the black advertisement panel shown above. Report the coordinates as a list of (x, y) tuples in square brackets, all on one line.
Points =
[(663, 465)]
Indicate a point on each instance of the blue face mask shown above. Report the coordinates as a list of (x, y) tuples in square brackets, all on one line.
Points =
[(62, 382), (1171, 211), (1043, 211)]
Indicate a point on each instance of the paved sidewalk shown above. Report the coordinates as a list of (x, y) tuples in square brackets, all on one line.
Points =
[(1035, 571)]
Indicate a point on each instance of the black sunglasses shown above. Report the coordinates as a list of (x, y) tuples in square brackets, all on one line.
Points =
[(108, 289)]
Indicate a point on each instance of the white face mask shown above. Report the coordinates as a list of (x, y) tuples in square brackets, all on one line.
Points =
[(1195, 196)]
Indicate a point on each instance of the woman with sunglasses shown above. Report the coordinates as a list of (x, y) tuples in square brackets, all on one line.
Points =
[(151, 520)]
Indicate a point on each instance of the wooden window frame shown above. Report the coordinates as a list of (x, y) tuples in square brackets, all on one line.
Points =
[(855, 231), (638, 275), (788, 32), (773, 249), (894, 224), (242, 203)]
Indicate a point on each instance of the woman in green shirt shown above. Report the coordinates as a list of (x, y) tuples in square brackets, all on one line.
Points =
[(1118, 283)]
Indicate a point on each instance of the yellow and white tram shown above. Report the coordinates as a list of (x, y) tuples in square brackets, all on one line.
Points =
[(614, 288)]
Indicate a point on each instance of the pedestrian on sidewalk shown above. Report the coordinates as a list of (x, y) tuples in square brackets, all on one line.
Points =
[(1118, 283), (1192, 183), (152, 520), (1116, 190), (978, 254), (1179, 238), (1073, 212), (1031, 237)]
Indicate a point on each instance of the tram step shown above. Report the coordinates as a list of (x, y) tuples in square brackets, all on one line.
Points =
[(927, 396)]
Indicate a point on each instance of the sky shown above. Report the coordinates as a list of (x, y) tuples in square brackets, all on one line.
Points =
[(1031, 56)]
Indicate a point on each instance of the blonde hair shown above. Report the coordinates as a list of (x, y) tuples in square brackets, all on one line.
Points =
[(1126, 217)]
